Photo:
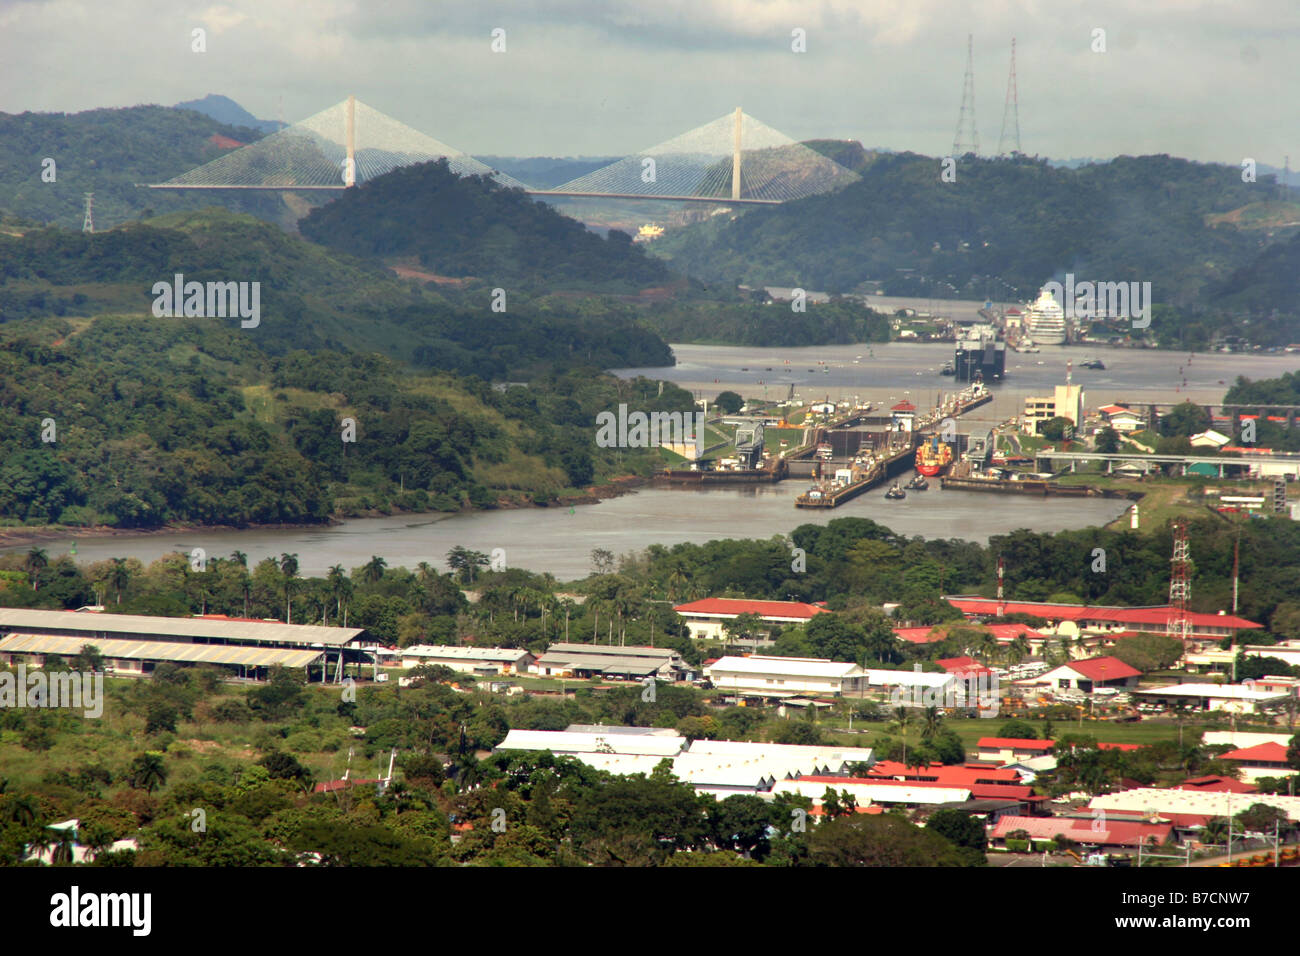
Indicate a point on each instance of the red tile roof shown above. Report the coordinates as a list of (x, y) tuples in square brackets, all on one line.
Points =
[(967, 665), (1015, 743), (977, 790), (1115, 832), (918, 635), (1270, 752), (945, 773), (903, 406), (1102, 669), (1077, 612), (1216, 784), (790, 609)]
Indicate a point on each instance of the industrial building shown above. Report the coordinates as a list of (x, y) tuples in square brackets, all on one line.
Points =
[(483, 661), (1230, 698), (774, 677), (611, 661), (134, 644)]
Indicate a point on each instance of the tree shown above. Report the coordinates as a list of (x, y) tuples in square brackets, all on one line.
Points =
[(35, 561), (1017, 729), (88, 658), (960, 828), (884, 840), (147, 771), (372, 572), (288, 571), (1108, 441), (1293, 753), (1056, 429), (119, 576), (602, 560), (161, 717), (729, 402)]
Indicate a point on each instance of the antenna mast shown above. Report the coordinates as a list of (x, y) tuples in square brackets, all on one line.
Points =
[(960, 146), (88, 224), (1180, 586), (1011, 108)]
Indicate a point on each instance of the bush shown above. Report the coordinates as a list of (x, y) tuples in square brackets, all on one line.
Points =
[(1017, 846)]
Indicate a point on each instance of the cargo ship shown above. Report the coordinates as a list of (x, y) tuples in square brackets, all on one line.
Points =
[(932, 457), (981, 355)]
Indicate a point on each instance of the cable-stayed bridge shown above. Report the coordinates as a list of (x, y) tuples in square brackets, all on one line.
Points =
[(735, 159)]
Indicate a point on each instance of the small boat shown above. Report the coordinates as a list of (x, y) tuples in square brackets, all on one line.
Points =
[(1095, 364), (948, 369), (918, 483), (895, 492)]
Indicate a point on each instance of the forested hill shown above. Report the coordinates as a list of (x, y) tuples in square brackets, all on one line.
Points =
[(107, 152), (1270, 281), (311, 298), (1021, 220), (469, 226)]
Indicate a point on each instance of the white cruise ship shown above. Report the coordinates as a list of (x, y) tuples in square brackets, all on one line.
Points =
[(1045, 320)]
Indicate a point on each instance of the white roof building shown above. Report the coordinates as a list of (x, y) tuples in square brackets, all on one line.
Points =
[(785, 676), (496, 660), (1232, 698), (867, 793), (564, 742), (1158, 800)]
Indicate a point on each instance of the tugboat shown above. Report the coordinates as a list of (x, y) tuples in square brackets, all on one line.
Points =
[(918, 483), (1096, 365), (948, 369), (895, 492)]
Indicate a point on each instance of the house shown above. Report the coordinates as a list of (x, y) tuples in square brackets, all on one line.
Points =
[(611, 661), (1230, 698), (1094, 832), (870, 791), (1086, 675), (966, 666), (485, 661), (1007, 750), (1288, 651), (1004, 634), (902, 416), (134, 644), (706, 619), (1209, 439), (1122, 419), (1261, 760)]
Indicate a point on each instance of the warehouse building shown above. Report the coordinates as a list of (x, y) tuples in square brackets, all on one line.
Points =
[(483, 661), (611, 661), (776, 677), (134, 644), (1231, 698)]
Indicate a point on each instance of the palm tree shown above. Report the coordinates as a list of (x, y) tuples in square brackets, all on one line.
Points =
[(148, 772), (902, 717), (239, 558), (1215, 830), (373, 571), (932, 720), (119, 576), (288, 571), (1017, 650), (335, 578), (20, 810), (36, 559), (677, 580), (40, 843), (62, 855)]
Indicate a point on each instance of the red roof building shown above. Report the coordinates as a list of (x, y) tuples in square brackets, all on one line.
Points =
[(705, 618), (1086, 675), (1003, 633), (1261, 760), (1112, 832), (963, 665), (1105, 619), (1011, 749), (1216, 784)]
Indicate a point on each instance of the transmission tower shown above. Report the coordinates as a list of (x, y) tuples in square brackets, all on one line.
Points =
[(88, 224), (1180, 586), (1011, 110), (966, 120)]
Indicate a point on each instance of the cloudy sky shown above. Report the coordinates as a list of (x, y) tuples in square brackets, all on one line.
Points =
[(1195, 78)]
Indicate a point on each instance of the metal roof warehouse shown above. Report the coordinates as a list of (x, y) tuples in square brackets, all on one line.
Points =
[(134, 644)]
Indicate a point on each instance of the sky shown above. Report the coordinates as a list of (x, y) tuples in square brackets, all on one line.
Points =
[(1211, 81)]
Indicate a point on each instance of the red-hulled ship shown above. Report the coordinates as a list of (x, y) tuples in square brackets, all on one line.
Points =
[(933, 457)]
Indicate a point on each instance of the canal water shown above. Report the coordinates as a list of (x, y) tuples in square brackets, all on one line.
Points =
[(560, 540)]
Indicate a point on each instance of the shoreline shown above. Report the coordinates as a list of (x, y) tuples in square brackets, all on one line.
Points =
[(18, 537)]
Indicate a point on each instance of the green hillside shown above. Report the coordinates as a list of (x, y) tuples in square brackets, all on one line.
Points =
[(1002, 229), (108, 152), (467, 226), (311, 298)]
